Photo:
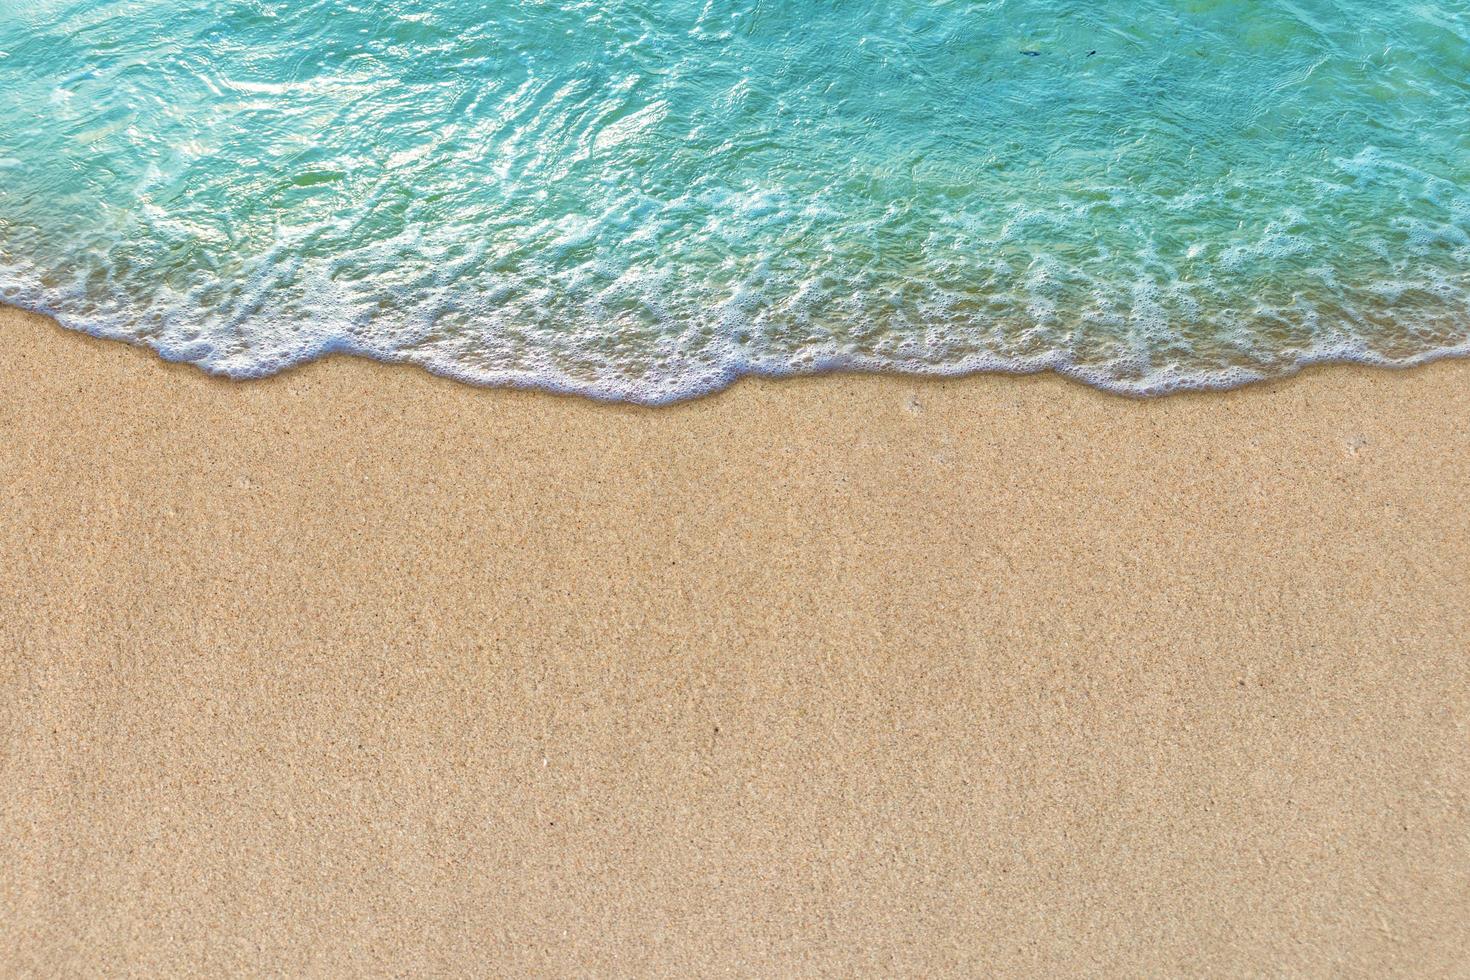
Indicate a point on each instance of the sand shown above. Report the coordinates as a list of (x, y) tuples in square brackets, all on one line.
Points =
[(356, 670)]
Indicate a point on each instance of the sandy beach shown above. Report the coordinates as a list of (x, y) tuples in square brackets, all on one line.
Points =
[(359, 671)]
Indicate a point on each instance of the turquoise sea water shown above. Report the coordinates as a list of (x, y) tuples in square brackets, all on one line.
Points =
[(643, 199)]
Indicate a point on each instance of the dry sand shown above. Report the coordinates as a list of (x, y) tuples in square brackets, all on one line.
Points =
[(356, 670)]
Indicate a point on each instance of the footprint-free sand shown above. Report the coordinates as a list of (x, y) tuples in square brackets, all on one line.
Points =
[(356, 670)]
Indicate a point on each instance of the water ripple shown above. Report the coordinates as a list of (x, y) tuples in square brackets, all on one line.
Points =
[(643, 199)]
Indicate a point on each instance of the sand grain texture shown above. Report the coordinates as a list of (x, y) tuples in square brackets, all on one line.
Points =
[(355, 670)]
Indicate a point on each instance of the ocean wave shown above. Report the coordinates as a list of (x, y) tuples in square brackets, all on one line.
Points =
[(642, 201)]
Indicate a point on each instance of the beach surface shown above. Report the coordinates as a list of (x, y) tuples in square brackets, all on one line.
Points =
[(359, 671)]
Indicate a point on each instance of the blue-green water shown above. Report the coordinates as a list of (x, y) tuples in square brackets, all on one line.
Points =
[(643, 199)]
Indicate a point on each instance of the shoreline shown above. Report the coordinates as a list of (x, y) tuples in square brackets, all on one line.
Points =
[(359, 669), (839, 367)]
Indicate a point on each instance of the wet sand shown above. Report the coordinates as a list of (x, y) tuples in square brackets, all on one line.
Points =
[(355, 670)]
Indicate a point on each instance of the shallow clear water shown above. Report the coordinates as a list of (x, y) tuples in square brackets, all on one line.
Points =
[(642, 199)]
